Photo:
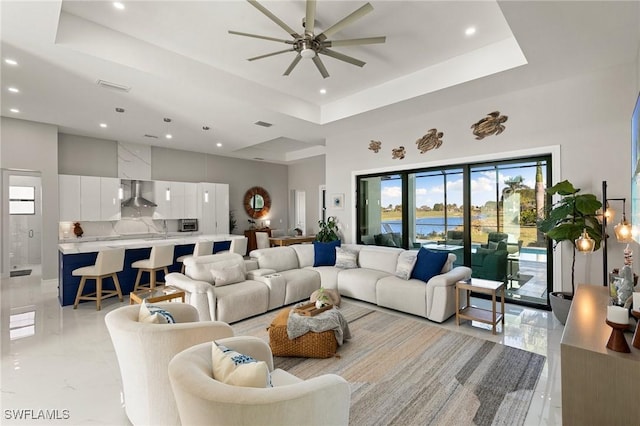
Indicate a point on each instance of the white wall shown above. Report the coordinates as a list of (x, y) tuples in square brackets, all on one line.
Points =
[(26, 145), (307, 175), (586, 117)]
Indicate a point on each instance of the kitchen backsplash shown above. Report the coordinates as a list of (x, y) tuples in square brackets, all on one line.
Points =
[(125, 227)]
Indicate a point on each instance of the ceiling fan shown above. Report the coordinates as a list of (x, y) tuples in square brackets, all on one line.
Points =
[(310, 45)]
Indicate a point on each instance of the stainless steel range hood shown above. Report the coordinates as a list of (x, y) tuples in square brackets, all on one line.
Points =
[(137, 200)]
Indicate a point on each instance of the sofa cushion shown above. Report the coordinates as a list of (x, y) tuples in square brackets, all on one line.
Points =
[(379, 258), (236, 369), (428, 264), (300, 283), (241, 300), (346, 258), (406, 262), (199, 267), (360, 283), (325, 253), (225, 275), (305, 253), (154, 314), (276, 258)]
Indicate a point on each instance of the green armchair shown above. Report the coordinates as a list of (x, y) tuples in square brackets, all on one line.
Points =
[(490, 264)]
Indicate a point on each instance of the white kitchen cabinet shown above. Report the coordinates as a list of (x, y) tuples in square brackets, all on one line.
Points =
[(163, 208), (175, 200), (213, 208), (110, 198), (190, 200), (69, 197), (90, 198)]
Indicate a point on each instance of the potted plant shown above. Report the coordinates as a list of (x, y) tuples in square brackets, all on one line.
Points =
[(566, 220), (328, 230)]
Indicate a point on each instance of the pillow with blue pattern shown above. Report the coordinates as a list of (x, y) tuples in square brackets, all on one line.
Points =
[(236, 369), (154, 314)]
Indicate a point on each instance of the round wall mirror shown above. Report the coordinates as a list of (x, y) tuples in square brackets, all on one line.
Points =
[(257, 202)]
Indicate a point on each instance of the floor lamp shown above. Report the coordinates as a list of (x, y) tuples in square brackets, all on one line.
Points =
[(621, 230)]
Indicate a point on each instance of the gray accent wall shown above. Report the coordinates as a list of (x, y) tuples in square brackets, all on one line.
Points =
[(85, 156), (31, 146)]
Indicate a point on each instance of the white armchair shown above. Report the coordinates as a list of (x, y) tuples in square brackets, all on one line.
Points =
[(322, 400), (144, 351)]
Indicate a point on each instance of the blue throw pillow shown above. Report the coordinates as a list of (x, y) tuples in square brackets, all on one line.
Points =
[(429, 264), (325, 253)]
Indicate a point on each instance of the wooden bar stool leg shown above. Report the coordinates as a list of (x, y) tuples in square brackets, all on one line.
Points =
[(117, 284), (135, 287), (98, 293), (79, 293)]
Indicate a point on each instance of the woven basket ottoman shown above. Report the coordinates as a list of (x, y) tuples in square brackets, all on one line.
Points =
[(310, 345)]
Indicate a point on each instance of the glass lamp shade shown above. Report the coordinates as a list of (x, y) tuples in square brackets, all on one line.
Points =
[(623, 231), (585, 243), (609, 213)]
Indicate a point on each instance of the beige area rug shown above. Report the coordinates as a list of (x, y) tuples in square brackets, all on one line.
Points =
[(403, 371)]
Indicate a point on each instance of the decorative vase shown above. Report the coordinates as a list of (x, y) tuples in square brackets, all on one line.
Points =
[(560, 305), (319, 304), (621, 283)]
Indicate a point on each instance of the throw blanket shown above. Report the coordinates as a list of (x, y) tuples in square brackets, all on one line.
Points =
[(331, 319)]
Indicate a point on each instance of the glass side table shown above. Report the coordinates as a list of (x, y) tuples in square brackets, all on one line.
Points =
[(159, 294)]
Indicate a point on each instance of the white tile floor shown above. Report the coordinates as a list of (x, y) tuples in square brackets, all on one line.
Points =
[(64, 361)]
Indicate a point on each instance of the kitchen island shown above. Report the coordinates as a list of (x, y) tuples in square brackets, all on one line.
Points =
[(73, 255)]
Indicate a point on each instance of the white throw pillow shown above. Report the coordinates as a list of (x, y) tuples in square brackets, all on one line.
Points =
[(154, 315), (346, 258), (236, 369), (225, 275), (406, 262)]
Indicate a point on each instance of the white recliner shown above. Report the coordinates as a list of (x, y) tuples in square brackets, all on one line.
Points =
[(202, 400), (144, 351)]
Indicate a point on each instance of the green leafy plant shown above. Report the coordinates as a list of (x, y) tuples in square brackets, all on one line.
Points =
[(328, 230), (567, 218)]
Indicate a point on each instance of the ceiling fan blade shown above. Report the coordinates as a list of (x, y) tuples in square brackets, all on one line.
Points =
[(354, 16), (320, 66), (342, 57), (293, 64), (274, 18), (309, 20), (354, 42), (260, 37), (270, 54)]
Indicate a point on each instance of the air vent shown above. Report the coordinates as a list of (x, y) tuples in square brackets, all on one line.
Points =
[(151, 136), (113, 86), (263, 124)]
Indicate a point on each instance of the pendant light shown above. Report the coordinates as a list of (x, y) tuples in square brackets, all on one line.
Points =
[(584, 243)]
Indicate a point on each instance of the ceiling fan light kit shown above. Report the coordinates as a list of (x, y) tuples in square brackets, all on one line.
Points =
[(310, 46)]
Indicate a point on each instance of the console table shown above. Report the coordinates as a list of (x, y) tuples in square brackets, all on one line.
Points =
[(599, 386)]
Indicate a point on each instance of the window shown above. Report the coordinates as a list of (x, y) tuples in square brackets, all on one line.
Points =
[(483, 213), (22, 200)]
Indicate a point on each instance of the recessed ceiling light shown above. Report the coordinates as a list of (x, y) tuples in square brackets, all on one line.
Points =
[(11, 61), (168, 136), (323, 91), (103, 125), (470, 31), (15, 110), (218, 144), (13, 90), (206, 127), (118, 5)]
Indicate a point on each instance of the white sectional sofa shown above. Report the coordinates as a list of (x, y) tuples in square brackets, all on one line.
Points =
[(279, 276)]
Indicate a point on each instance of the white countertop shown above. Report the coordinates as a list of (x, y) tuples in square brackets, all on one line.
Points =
[(135, 243)]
